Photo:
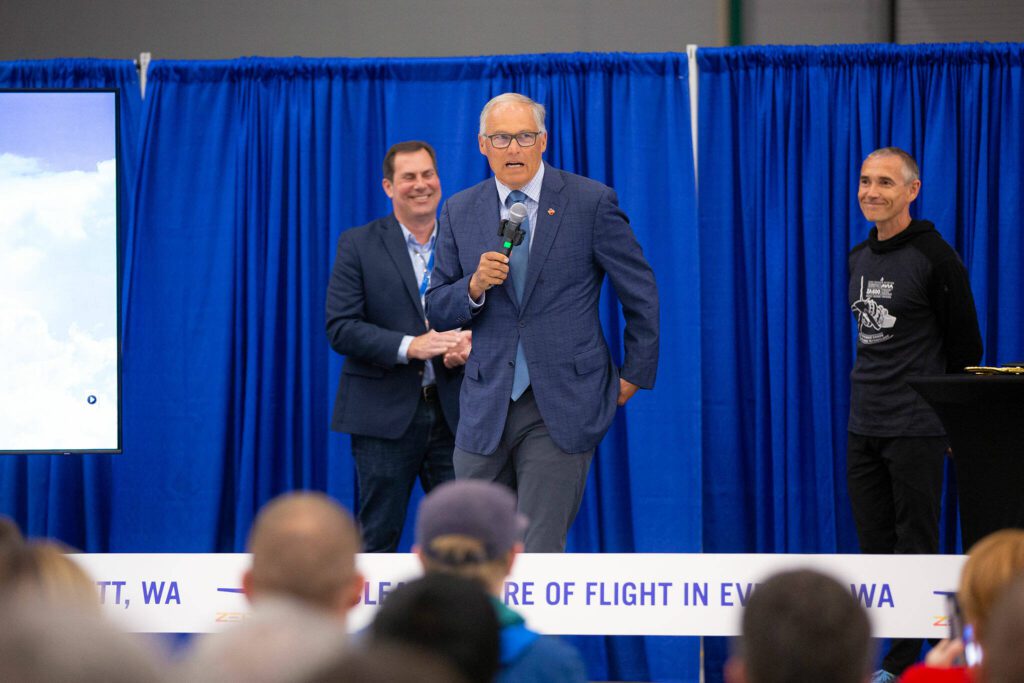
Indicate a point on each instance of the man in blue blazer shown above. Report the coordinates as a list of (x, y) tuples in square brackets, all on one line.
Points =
[(399, 388), (540, 388)]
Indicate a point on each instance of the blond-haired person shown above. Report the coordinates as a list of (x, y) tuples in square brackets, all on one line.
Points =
[(992, 565)]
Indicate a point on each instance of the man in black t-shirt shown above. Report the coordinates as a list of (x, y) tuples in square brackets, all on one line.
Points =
[(915, 315)]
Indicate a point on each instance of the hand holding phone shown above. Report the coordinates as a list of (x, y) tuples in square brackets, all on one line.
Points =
[(961, 648), (972, 648)]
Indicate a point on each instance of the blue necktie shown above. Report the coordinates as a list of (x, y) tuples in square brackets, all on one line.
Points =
[(517, 263)]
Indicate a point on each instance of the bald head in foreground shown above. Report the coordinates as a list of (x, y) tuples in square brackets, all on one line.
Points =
[(304, 547), (302, 583)]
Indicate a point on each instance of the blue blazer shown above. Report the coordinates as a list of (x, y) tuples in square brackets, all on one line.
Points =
[(581, 234), (373, 300)]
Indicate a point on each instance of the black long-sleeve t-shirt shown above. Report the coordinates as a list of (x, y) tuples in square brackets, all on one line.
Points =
[(915, 315)]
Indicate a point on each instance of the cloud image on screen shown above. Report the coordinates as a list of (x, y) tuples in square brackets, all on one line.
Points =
[(58, 272)]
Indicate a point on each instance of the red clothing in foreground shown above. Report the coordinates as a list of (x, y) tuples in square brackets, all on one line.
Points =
[(919, 673)]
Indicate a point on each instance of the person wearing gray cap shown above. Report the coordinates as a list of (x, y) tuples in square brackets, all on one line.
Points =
[(471, 528)]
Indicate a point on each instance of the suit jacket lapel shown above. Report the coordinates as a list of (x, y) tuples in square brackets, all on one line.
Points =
[(487, 205), (549, 218), (394, 243)]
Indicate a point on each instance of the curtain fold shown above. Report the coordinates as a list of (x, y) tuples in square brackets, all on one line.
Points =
[(68, 497)]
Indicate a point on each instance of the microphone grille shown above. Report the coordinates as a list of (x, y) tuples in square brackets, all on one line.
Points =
[(517, 213)]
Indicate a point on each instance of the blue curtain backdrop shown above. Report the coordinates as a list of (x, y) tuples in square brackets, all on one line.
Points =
[(245, 172), (69, 497), (783, 131)]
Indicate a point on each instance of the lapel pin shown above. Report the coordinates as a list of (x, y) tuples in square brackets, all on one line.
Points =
[(551, 212)]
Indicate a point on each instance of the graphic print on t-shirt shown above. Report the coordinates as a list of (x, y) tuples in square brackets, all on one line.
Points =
[(873, 317)]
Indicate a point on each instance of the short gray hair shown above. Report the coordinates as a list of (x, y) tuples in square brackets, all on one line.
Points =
[(911, 172), (514, 98)]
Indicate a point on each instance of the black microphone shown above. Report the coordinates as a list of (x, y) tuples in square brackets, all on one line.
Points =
[(509, 229)]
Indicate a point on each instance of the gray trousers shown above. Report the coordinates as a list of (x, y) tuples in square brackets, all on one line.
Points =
[(547, 481)]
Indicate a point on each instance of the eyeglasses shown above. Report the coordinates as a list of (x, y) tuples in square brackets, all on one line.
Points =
[(503, 140)]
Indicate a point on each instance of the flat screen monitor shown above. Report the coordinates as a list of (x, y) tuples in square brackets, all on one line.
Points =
[(60, 383)]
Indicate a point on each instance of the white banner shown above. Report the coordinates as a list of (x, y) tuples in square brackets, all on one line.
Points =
[(583, 594)]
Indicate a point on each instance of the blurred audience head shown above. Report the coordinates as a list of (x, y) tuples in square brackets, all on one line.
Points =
[(282, 641), (10, 534), (387, 664), (802, 626), (10, 541), (1004, 654), (444, 615), (992, 564), (42, 571), (304, 547), (470, 528), (46, 642)]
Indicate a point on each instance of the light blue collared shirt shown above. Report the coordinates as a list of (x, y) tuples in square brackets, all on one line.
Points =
[(532, 192), (419, 256)]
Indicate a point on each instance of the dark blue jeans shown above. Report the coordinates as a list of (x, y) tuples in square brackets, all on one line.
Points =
[(387, 469)]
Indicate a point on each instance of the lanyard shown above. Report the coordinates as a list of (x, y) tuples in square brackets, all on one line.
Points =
[(427, 267)]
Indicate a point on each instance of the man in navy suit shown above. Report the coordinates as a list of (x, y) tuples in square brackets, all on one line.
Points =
[(540, 388), (399, 389)]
